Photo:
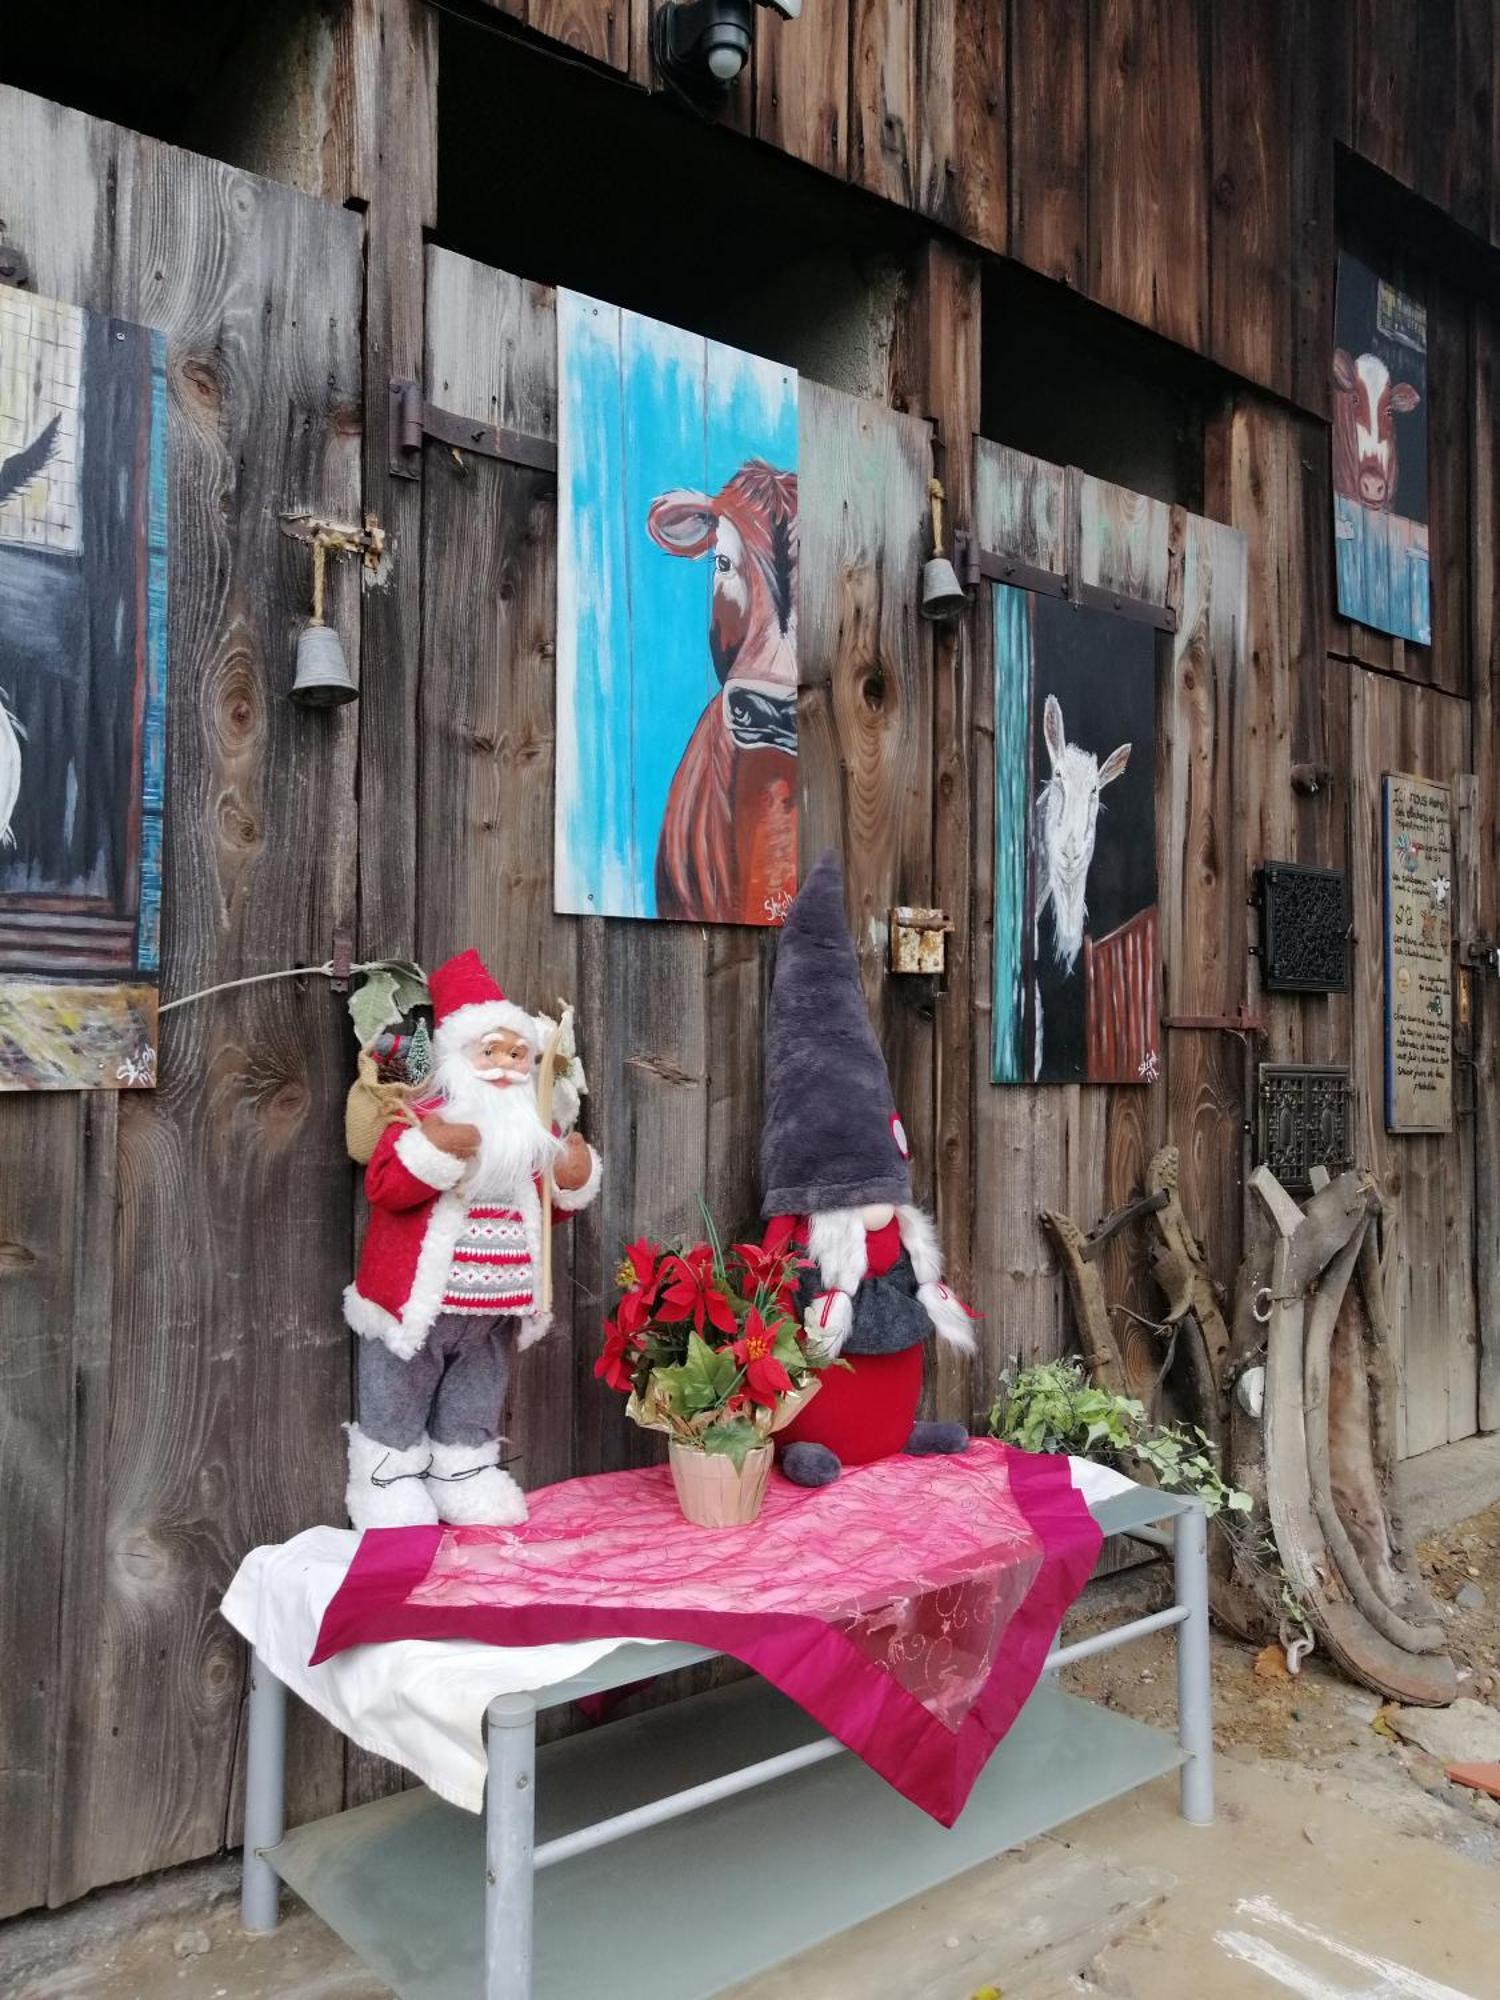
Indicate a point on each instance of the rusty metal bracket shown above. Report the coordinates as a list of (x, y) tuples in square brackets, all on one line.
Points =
[(342, 959), (977, 565), (1242, 1023), (919, 939), (413, 419)]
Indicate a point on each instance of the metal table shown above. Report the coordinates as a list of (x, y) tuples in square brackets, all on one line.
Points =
[(639, 1860)]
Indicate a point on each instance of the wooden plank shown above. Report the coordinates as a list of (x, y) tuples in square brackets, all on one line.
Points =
[(867, 698), (943, 341), (226, 1371), (1020, 506), (1318, 61), (962, 165), (1450, 424), (1427, 1254), (1203, 886), (1049, 140), (486, 719), (1148, 168), (1124, 539), (802, 84), (883, 99), (1254, 146), (1486, 1033), (599, 29)]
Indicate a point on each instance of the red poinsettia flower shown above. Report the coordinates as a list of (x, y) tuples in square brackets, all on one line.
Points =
[(692, 1292), (644, 1258), (616, 1364), (765, 1378), (769, 1269)]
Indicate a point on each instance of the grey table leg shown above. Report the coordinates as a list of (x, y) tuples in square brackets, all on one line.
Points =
[(1195, 1721), (265, 1796), (509, 1831)]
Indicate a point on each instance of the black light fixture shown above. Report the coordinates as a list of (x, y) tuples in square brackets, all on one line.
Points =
[(698, 41)]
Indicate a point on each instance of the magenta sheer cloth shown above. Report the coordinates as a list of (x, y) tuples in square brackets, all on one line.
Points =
[(907, 1608)]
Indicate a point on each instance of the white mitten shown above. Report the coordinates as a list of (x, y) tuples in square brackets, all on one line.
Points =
[(827, 1321), (949, 1315)]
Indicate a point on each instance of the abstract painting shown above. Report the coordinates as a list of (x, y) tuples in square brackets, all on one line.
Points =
[(83, 664), (677, 623), (1075, 938), (1380, 455)]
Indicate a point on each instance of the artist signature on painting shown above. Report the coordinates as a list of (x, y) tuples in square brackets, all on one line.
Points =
[(138, 1072)]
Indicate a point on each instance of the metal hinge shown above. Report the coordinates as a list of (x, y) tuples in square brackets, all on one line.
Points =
[(919, 939), (413, 419), (1242, 1022), (976, 565)]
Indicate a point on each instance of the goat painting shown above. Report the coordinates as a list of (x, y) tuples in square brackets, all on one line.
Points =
[(1379, 386), (676, 679), (83, 495), (1075, 861)]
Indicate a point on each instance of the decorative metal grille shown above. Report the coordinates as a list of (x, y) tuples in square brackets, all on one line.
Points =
[(1304, 929), (1303, 1121)]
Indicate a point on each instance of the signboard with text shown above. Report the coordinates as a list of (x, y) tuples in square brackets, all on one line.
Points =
[(1417, 848)]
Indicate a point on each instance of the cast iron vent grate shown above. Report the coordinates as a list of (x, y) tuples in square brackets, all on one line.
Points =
[(1303, 1121), (1304, 929)]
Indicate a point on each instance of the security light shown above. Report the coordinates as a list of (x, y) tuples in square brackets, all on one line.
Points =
[(694, 40)]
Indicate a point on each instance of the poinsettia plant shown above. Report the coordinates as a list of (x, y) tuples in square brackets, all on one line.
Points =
[(708, 1344)]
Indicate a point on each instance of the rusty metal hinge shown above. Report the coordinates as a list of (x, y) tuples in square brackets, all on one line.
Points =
[(413, 419), (1243, 1022), (919, 939), (976, 565)]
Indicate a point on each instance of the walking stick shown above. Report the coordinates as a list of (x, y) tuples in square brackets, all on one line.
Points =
[(546, 1077)]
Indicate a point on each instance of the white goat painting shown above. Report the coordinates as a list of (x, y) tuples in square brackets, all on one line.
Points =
[(1064, 827)]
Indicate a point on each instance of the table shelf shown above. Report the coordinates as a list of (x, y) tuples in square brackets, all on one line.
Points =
[(697, 1903)]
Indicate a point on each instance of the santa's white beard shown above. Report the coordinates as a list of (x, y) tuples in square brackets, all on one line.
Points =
[(513, 1143)]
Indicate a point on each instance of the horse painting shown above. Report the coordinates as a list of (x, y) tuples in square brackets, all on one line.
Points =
[(727, 850)]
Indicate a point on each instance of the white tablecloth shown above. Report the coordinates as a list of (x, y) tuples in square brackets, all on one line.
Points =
[(420, 1702)]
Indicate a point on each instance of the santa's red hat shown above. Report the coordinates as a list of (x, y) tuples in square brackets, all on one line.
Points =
[(468, 1003)]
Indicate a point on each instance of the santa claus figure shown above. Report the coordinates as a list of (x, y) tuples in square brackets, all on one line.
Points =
[(449, 1280), (836, 1182)]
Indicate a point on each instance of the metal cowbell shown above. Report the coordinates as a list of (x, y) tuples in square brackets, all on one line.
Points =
[(943, 596), (323, 677)]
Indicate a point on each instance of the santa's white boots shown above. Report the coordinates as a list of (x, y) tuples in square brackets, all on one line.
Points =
[(470, 1489), (388, 1488), (429, 1482)]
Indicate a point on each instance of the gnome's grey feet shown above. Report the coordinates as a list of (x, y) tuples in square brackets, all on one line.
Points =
[(927, 1440), (810, 1465)]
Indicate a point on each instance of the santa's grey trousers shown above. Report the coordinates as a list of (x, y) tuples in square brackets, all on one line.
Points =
[(452, 1389)]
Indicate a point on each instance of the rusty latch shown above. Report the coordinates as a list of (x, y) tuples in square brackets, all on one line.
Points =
[(919, 939)]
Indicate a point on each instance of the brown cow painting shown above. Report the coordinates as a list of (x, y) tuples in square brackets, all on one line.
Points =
[(677, 624), (728, 841), (1379, 393)]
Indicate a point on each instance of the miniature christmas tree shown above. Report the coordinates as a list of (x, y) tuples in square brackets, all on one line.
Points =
[(419, 1054)]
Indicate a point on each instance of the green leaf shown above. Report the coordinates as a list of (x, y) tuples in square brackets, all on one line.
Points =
[(736, 1438), (373, 1005), (701, 1382)]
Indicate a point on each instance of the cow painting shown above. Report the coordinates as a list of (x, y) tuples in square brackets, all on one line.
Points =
[(676, 787), (728, 844), (1366, 403), (1379, 446), (1075, 924)]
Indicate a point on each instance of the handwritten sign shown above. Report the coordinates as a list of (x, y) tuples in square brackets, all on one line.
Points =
[(1418, 851)]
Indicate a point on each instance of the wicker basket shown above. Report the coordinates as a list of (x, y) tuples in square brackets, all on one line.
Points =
[(371, 1106)]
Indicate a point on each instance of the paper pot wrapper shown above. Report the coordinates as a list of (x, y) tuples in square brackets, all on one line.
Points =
[(713, 1492)]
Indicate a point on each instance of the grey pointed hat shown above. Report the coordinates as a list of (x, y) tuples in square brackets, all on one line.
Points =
[(831, 1137)]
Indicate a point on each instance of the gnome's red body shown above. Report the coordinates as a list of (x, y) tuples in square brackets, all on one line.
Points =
[(836, 1182), (866, 1409)]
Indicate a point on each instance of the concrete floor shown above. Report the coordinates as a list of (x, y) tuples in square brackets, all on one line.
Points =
[(1292, 1891)]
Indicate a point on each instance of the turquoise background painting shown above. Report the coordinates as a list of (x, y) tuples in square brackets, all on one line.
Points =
[(644, 409)]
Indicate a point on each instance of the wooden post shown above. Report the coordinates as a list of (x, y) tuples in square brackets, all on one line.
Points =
[(935, 373)]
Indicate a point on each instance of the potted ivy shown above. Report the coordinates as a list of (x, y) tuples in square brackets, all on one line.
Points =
[(709, 1348)]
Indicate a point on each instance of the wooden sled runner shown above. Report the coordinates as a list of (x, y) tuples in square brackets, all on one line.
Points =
[(1319, 1454)]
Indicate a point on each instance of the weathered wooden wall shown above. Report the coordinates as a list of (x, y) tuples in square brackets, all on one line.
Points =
[(170, 1377), (172, 1371), (1171, 159)]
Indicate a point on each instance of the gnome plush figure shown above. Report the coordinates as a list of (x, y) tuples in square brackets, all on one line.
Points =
[(834, 1172), (448, 1287)]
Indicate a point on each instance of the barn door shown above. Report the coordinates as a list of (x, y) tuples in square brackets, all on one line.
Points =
[(172, 1368), (669, 1014), (1084, 1148)]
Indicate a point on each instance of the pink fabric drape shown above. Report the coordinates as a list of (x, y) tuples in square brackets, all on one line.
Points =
[(907, 1608)]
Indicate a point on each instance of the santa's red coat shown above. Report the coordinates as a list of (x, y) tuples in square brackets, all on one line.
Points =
[(416, 1213)]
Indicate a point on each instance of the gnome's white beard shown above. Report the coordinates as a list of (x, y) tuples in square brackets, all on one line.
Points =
[(513, 1142)]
